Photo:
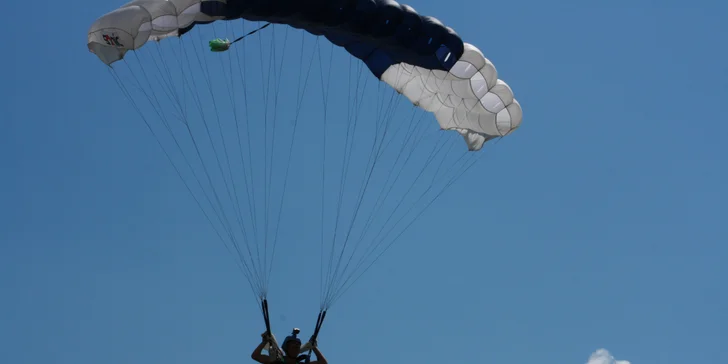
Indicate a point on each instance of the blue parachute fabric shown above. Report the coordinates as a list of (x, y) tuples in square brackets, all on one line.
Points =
[(381, 33)]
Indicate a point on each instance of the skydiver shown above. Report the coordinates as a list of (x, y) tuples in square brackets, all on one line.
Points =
[(291, 348)]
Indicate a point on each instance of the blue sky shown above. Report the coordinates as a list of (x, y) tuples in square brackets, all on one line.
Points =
[(598, 224)]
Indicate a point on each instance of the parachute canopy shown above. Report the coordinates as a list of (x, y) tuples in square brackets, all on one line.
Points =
[(416, 55)]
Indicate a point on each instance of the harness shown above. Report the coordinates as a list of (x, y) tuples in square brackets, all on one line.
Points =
[(301, 359)]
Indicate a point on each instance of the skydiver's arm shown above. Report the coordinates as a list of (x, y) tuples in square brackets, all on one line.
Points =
[(259, 356), (320, 359)]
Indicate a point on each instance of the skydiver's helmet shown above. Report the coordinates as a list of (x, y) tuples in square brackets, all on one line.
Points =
[(293, 338)]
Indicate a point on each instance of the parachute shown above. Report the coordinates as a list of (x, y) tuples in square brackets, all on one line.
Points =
[(226, 152)]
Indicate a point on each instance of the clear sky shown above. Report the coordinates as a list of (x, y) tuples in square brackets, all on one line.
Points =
[(600, 223)]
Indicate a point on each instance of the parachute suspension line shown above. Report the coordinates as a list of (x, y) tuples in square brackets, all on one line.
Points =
[(324, 284), (268, 164), (379, 203), (373, 159), (236, 200), (325, 101), (169, 89), (259, 274), (154, 103), (324, 280), (225, 220), (411, 133), (224, 148), (422, 211), (260, 268), (462, 170), (323, 198), (232, 97), (323, 204), (390, 113), (273, 147), (276, 80), (136, 107), (174, 98), (243, 81), (198, 103), (382, 122), (338, 281), (430, 159), (263, 280), (299, 104), (269, 79), (355, 103), (181, 104), (202, 114), (353, 278), (262, 235), (240, 255), (265, 81), (371, 163), (248, 176), (252, 205)]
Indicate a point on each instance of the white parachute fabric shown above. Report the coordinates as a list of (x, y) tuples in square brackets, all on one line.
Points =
[(470, 99), (163, 15), (137, 22)]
